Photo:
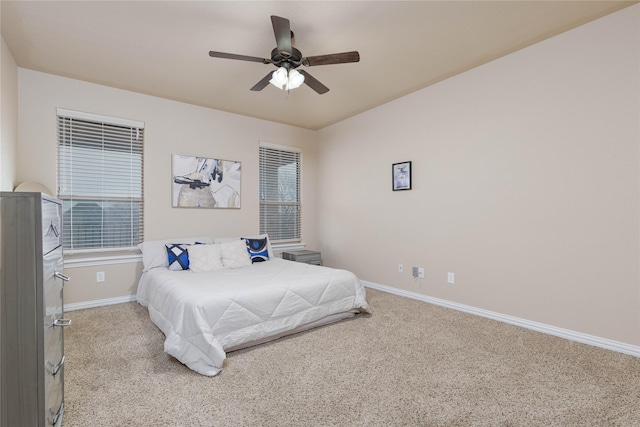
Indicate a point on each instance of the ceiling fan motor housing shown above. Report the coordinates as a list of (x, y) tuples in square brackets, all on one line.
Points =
[(284, 59)]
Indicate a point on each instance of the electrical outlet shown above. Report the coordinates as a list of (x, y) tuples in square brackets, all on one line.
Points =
[(414, 272), (451, 278), (400, 268), (100, 276), (421, 273)]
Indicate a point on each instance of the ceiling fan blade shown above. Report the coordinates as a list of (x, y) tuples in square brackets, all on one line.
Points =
[(239, 57), (282, 31), (334, 58), (262, 83), (314, 84)]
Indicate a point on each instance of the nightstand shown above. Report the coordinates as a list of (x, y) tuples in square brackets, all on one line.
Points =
[(308, 257)]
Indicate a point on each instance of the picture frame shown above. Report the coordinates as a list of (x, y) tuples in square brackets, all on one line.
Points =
[(202, 182), (401, 176)]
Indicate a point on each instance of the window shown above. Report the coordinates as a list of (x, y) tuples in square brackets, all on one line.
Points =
[(100, 181), (280, 192)]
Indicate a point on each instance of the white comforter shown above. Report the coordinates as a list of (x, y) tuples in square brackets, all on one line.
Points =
[(202, 314)]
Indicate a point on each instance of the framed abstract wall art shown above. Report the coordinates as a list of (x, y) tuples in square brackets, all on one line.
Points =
[(200, 182), (401, 176)]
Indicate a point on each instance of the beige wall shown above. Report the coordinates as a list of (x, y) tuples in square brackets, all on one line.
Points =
[(526, 185), (120, 280), (8, 119), (170, 127)]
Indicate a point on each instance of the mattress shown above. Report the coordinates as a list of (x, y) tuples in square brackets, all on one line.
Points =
[(205, 314)]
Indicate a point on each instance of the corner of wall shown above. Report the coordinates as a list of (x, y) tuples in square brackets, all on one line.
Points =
[(8, 118)]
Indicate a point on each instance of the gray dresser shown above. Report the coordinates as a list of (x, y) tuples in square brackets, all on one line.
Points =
[(31, 311)]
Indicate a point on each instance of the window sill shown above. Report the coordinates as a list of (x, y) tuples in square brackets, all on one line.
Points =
[(104, 258)]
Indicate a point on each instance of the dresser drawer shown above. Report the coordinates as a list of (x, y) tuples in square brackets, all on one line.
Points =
[(52, 286), (51, 225), (53, 394)]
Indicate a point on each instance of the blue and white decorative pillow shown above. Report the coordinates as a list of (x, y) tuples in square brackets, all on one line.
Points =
[(258, 250), (178, 256)]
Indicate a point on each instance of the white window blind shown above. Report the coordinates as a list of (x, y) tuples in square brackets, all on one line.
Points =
[(280, 208), (100, 167)]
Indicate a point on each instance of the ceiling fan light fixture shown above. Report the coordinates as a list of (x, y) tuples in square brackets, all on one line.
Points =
[(286, 79), (279, 78), (295, 79)]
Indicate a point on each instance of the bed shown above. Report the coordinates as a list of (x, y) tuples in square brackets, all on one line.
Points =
[(205, 313)]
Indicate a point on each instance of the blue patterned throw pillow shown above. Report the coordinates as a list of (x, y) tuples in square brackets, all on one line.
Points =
[(258, 250), (178, 256)]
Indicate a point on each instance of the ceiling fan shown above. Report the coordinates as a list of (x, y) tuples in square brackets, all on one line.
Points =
[(288, 58)]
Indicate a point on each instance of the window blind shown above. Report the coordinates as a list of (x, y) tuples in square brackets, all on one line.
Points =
[(100, 181), (280, 208)]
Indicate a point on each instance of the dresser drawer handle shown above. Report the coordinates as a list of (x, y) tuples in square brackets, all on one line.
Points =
[(64, 277), (56, 420), (62, 322), (53, 369), (53, 228)]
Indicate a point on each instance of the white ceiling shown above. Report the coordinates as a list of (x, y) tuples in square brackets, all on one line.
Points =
[(161, 48)]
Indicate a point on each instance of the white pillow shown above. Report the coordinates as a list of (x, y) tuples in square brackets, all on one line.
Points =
[(204, 258), (154, 252), (252, 236), (235, 254)]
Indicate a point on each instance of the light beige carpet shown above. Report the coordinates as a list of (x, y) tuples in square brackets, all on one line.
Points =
[(407, 364)]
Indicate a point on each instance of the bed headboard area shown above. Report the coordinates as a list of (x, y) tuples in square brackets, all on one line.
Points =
[(173, 253)]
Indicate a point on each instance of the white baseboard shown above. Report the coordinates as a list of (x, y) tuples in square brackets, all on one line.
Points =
[(98, 303), (528, 324)]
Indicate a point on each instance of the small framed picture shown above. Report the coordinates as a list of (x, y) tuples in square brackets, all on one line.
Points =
[(401, 175)]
